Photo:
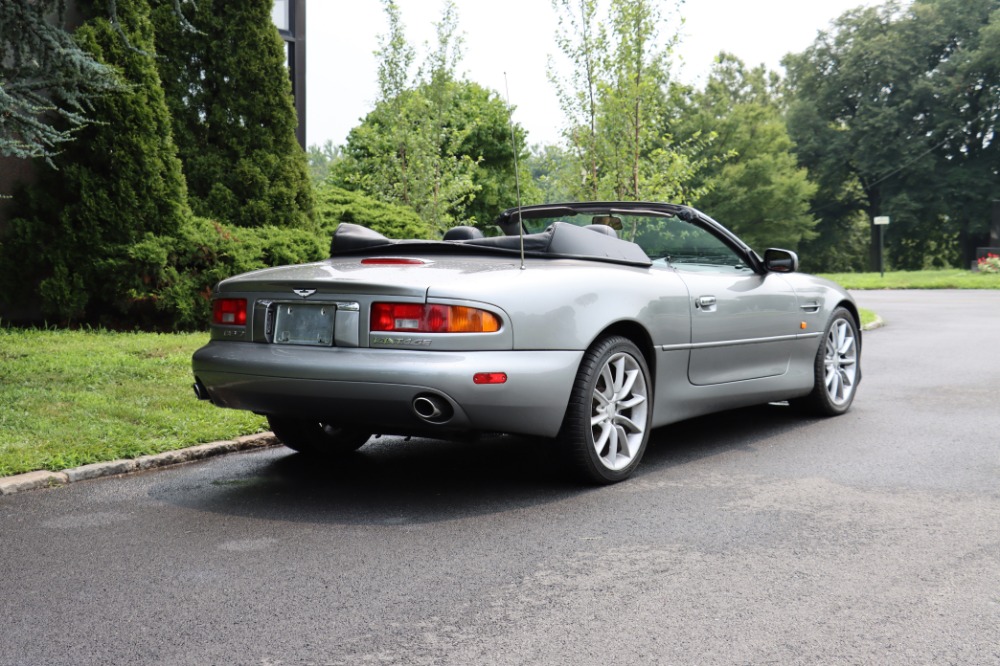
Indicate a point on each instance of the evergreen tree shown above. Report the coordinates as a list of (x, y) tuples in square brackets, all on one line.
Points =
[(47, 82), (230, 97), (71, 234)]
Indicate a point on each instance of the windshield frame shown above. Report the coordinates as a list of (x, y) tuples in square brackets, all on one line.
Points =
[(508, 220)]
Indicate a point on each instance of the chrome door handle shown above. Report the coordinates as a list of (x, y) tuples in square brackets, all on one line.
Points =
[(706, 301)]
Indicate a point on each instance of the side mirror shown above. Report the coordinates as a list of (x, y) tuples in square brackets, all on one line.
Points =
[(780, 261)]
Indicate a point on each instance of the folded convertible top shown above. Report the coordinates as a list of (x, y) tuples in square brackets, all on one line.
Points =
[(560, 239)]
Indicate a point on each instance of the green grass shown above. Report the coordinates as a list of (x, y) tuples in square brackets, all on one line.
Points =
[(69, 398), (867, 317), (942, 279)]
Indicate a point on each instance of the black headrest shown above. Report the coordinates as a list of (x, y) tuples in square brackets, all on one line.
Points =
[(462, 233)]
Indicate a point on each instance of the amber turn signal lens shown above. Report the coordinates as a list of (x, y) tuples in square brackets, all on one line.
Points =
[(472, 320)]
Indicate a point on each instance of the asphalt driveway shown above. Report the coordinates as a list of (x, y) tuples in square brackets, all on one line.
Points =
[(753, 537)]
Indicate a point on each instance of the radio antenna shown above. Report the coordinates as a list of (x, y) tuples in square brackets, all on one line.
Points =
[(517, 177)]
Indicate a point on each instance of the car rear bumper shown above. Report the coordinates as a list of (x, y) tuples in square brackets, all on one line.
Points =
[(377, 388)]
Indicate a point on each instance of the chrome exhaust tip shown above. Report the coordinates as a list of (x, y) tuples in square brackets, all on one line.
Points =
[(432, 408)]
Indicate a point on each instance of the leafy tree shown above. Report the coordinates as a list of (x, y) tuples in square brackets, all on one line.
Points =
[(614, 101), (230, 98), (322, 159), (633, 96), (71, 234), (552, 169), (485, 121), (583, 40), (437, 144), (751, 178), (47, 81), (894, 112)]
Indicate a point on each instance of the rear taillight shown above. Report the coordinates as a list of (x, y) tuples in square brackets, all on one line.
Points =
[(418, 318), (230, 311)]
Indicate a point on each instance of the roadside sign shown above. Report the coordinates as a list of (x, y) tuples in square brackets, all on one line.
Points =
[(882, 221)]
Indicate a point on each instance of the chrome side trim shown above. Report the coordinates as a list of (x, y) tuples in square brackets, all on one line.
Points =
[(737, 343)]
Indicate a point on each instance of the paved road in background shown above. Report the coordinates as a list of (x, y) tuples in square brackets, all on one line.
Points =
[(753, 537)]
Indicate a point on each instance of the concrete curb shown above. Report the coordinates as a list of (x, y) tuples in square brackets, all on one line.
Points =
[(878, 323), (35, 480)]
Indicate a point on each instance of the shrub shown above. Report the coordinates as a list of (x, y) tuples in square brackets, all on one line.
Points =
[(180, 271), (336, 205)]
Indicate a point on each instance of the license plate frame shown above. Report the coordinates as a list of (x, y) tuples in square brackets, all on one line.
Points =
[(305, 324)]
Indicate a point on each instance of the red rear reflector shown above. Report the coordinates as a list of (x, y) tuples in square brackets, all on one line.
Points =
[(392, 261), (230, 311), (489, 378)]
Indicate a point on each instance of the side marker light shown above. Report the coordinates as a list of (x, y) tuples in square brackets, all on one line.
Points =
[(489, 378)]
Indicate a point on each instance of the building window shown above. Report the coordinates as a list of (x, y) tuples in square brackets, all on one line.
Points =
[(281, 15)]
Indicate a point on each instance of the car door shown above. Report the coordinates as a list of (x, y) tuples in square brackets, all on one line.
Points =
[(743, 323)]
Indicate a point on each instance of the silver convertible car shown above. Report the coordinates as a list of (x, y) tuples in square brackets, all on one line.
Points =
[(587, 323)]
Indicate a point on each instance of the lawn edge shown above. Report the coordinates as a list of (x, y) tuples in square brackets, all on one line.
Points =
[(17, 483)]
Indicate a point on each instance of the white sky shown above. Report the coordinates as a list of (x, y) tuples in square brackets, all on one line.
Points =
[(516, 37)]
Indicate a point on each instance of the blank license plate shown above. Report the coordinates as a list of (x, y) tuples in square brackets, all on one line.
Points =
[(304, 324)]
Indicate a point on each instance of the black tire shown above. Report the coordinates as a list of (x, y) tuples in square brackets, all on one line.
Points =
[(315, 438), (836, 368), (613, 386)]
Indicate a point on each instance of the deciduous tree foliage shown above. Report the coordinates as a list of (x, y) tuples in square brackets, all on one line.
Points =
[(118, 184), (751, 177), (435, 143), (895, 112), (552, 171), (582, 39), (614, 100), (229, 95)]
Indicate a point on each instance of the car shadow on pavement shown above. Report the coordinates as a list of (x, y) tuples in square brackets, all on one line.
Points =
[(392, 481), (706, 436)]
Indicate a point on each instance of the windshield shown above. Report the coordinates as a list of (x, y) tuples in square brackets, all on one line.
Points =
[(664, 238)]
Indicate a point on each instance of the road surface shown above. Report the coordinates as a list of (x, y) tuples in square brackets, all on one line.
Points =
[(752, 537)]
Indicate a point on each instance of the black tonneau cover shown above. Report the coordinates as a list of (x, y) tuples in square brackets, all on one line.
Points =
[(561, 239)]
